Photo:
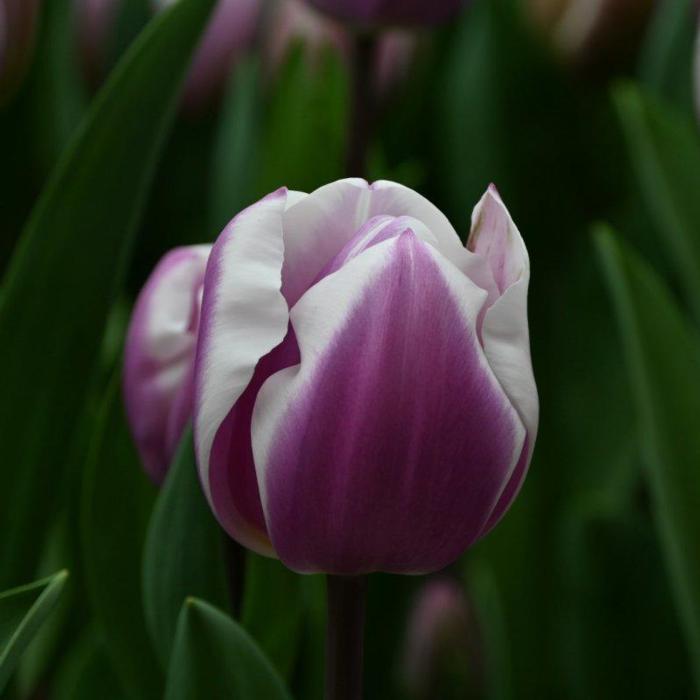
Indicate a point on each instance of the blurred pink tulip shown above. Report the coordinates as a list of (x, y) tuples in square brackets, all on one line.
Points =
[(18, 25), (159, 356), (594, 34)]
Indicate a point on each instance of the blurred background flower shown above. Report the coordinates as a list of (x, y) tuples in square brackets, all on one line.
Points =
[(18, 24)]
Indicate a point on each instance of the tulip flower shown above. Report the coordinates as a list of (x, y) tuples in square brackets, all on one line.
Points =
[(592, 33), (18, 24), (229, 34), (442, 641), (364, 397), (159, 356), (383, 12)]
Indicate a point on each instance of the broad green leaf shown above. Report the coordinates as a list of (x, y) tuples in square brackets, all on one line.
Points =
[(236, 148), (273, 609), (22, 613), (67, 268), (664, 149), (184, 553), (663, 357), (305, 129), (215, 658), (666, 57), (620, 639), (117, 502)]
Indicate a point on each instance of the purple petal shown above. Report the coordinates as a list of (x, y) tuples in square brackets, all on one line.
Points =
[(244, 317), (388, 447), (159, 356)]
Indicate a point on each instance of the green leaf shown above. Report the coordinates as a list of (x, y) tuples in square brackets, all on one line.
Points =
[(666, 58), (621, 640), (184, 553), (663, 357), (85, 673), (214, 658), (305, 129), (236, 148), (67, 268), (22, 613), (273, 607), (664, 148), (117, 502)]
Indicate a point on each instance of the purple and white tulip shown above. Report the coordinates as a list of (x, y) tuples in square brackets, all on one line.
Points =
[(364, 396), (159, 356), (390, 12), (18, 23)]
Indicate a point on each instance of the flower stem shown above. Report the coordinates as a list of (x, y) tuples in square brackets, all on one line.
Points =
[(362, 106), (345, 637)]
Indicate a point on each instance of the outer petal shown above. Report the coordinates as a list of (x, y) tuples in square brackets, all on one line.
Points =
[(389, 445), (504, 332), (244, 316), (317, 229), (159, 356)]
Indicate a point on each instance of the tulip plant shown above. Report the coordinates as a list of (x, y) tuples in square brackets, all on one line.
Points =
[(272, 355)]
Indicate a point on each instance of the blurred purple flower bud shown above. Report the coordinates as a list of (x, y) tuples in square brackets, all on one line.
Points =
[(593, 34), (442, 633), (364, 392), (159, 356), (95, 20), (293, 22), (18, 24), (228, 36), (390, 12)]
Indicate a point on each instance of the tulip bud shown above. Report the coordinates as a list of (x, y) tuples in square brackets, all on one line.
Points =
[(293, 22), (592, 33), (18, 24), (364, 393), (442, 643), (396, 12), (159, 356), (229, 33)]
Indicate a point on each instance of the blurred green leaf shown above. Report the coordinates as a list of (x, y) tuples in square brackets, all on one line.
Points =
[(310, 677), (184, 553), (305, 130), (666, 57), (664, 149), (235, 159), (22, 613), (273, 607), (117, 502), (617, 607), (214, 658), (85, 673), (67, 269), (663, 357)]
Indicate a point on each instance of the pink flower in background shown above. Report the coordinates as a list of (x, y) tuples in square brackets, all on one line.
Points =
[(442, 628), (364, 393), (159, 356), (229, 35), (18, 25)]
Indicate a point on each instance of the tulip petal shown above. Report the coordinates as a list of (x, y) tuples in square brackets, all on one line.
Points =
[(505, 334), (244, 316), (318, 228), (159, 356), (393, 412)]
